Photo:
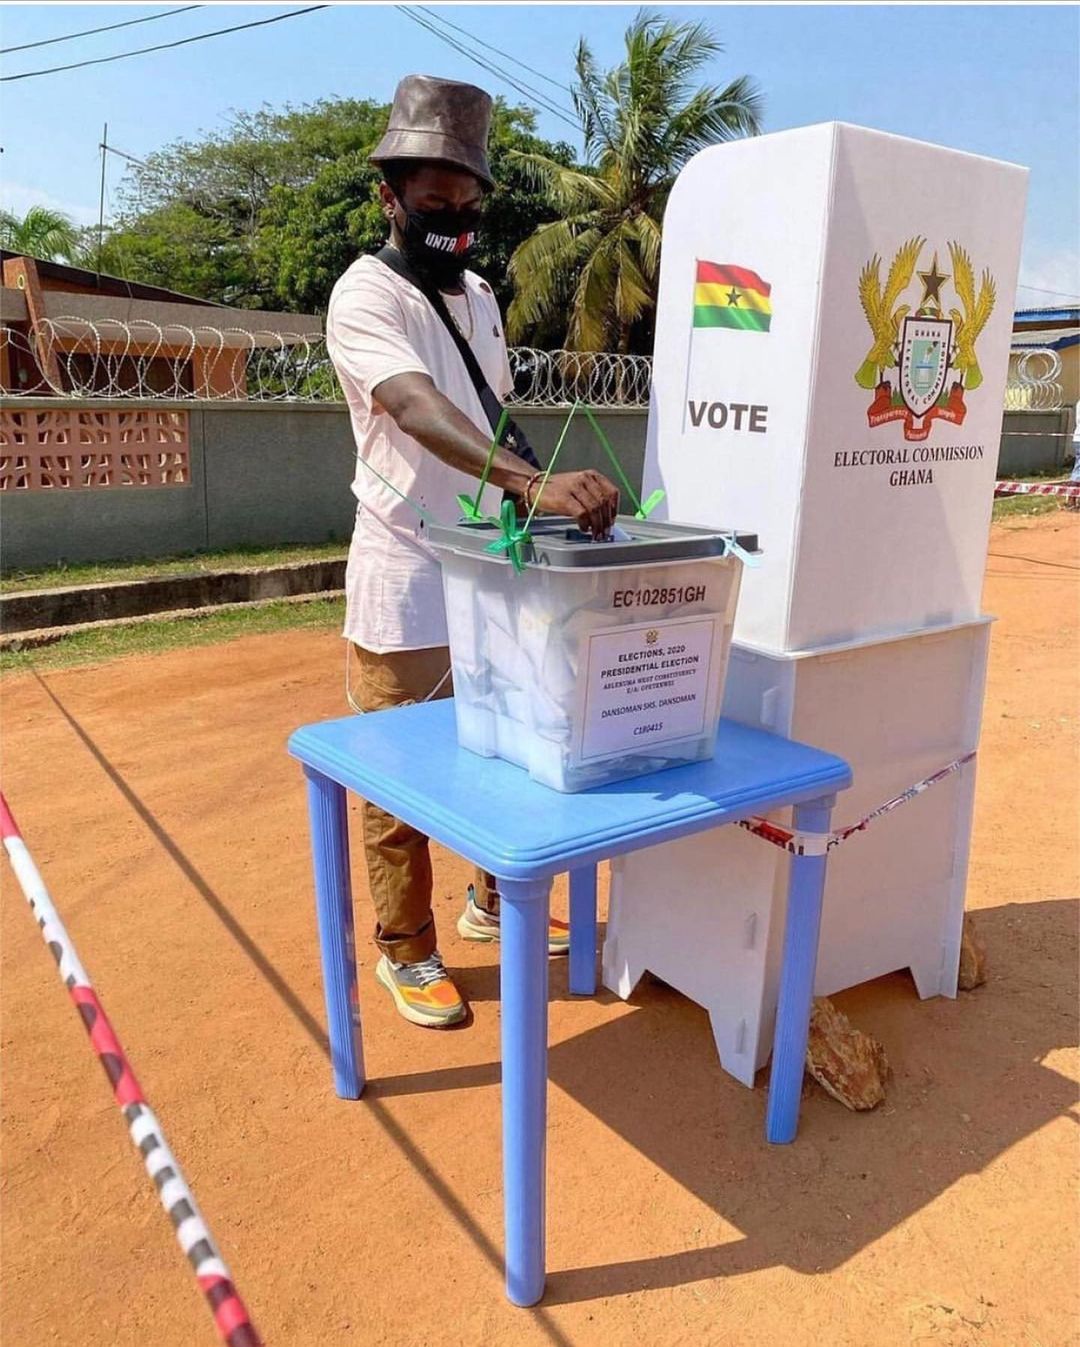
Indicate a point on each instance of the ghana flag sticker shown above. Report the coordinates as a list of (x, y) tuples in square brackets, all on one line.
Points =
[(729, 296)]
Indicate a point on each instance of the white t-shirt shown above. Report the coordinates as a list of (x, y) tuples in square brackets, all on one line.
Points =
[(379, 325)]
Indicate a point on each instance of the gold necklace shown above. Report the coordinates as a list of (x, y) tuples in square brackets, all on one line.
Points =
[(468, 309), (468, 305)]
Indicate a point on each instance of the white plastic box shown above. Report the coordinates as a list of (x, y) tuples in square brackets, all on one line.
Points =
[(705, 914), (598, 661), (873, 514)]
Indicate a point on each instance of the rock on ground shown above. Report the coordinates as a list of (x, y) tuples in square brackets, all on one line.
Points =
[(846, 1062), (972, 956)]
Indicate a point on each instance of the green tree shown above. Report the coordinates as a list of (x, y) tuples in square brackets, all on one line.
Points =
[(270, 212), (175, 247), (312, 232), (43, 233), (193, 215), (598, 261), (230, 175), (518, 205)]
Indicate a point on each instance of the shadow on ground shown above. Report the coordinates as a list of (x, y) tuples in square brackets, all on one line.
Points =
[(652, 1076)]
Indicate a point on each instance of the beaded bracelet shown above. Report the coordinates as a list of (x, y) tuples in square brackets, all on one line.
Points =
[(528, 487)]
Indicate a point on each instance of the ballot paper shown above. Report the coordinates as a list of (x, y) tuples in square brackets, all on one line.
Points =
[(586, 676)]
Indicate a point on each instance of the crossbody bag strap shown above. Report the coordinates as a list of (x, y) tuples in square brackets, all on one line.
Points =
[(393, 259), (513, 438)]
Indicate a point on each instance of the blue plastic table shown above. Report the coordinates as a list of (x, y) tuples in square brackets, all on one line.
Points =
[(407, 760)]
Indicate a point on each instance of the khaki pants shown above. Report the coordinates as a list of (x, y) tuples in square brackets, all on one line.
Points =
[(398, 860)]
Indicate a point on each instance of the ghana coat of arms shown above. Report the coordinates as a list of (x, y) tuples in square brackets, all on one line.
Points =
[(929, 351)]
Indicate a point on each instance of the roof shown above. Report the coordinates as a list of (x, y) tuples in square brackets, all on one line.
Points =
[(133, 305), (104, 284), (79, 313), (1054, 339), (1027, 319)]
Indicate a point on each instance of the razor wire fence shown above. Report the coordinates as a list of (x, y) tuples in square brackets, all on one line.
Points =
[(80, 358), (106, 358), (1035, 381), (595, 379)]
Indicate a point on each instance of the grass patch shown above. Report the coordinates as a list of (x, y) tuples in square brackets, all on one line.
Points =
[(1043, 475), (63, 574), (1024, 507), (151, 638), (1012, 507)]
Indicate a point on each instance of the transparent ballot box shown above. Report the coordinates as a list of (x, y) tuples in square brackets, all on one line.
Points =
[(598, 660)]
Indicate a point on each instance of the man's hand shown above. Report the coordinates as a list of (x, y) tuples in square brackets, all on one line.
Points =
[(430, 418), (585, 496), (421, 411)]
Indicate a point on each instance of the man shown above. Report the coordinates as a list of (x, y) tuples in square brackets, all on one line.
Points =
[(422, 437)]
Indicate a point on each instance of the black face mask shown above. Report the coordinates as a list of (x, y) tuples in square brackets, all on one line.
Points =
[(440, 243)]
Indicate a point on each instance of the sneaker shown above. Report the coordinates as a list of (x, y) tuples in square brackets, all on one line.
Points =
[(423, 991), (483, 927)]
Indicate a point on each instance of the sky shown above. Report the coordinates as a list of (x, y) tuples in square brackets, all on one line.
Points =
[(997, 79)]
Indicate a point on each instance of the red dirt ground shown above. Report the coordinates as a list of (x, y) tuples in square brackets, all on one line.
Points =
[(169, 824)]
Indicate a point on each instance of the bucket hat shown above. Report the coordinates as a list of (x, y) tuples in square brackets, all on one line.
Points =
[(438, 120)]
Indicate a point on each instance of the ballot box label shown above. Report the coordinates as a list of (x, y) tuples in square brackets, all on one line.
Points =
[(646, 684)]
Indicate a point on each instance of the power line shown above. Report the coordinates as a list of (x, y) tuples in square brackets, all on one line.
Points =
[(533, 94), (457, 46), (129, 157), (164, 46), (497, 50), (520, 84), (1061, 294), (484, 64), (89, 32)]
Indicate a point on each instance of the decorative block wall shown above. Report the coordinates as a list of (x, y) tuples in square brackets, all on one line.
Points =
[(59, 449)]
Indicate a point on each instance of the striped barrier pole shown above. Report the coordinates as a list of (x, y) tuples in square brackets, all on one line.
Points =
[(1069, 490), (820, 844), (231, 1319)]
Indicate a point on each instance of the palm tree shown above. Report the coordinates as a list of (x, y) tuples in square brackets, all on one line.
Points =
[(40, 233), (641, 122)]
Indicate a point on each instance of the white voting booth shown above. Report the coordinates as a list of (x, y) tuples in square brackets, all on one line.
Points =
[(706, 913), (832, 342)]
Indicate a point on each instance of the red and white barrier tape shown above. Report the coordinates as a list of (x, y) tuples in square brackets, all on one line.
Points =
[(231, 1319), (820, 844), (1070, 490)]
